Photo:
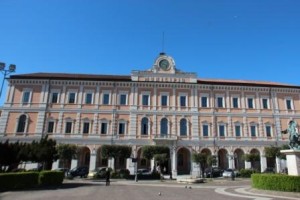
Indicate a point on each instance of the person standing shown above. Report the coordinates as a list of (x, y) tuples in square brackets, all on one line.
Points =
[(107, 177)]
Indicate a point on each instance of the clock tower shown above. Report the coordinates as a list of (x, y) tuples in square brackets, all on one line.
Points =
[(164, 70)]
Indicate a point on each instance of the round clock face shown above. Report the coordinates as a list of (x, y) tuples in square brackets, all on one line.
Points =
[(164, 64)]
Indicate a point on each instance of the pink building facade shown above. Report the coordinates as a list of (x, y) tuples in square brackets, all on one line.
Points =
[(160, 106)]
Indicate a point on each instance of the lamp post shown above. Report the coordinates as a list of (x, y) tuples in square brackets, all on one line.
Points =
[(5, 72)]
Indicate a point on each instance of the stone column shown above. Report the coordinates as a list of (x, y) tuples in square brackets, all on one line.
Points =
[(55, 164), (152, 164), (93, 157), (74, 163), (278, 165), (130, 165), (173, 157), (263, 163), (195, 170), (247, 165), (230, 161), (111, 163)]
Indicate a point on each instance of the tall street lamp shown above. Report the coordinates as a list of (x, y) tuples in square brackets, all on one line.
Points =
[(5, 72)]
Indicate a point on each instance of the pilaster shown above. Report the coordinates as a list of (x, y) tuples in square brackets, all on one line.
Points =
[(3, 122), (40, 123)]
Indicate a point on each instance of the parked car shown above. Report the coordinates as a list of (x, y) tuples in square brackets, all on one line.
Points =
[(97, 173), (79, 171), (216, 172), (228, 173), (144, 171)]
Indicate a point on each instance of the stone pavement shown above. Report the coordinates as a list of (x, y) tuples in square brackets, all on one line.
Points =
[(217, 189)]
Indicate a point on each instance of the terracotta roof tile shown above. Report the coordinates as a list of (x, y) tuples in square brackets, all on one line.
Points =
[(94, 77)]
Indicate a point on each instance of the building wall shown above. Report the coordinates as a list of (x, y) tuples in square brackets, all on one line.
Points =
[(40, 112)]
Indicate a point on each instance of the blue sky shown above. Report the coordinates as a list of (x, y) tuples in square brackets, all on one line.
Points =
[(223, 39)]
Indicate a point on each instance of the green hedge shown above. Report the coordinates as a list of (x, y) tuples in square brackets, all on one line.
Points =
[(277, 182), (25, 180), (19, 180), (51, 178)]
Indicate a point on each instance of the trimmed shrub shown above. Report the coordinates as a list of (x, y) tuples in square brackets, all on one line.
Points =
[(277, 182), (20, 180), (246, 173), (51, 178)]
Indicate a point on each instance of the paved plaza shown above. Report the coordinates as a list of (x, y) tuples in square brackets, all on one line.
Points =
[(80, 189)]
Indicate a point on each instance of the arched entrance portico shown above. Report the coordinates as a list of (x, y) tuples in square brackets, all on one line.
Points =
[(238, 159), (208, 153), (142, 163), (183, 161), (84, 157), (222, 158), (255, 163), (101, 162)]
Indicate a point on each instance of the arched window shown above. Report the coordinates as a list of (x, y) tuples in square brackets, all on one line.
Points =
[(21, 124), (164, 127), (183, 127), (144, 126)]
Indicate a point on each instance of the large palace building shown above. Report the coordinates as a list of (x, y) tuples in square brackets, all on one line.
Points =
[(159, 106)]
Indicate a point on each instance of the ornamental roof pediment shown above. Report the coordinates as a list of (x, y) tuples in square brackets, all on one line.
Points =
[(164, 70)]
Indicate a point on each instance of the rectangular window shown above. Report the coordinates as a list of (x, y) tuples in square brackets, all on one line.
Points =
[(235, 102), (26, 96), (265, 103), (205, 130), (182, 101), (103, 128), (50, 127), (71, 97), (253, 131), (123, 98), (121, 128), (204, 103), (88, 98), (237, 130), (268, 131), (54, 98), (220, 102), (145, 100), (222, 130), (289, 104), (68, 128), (250, 103), (164, 100), (105, 99), (86, 127)]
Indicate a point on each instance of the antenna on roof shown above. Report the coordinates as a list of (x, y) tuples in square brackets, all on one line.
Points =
[(163, 42)]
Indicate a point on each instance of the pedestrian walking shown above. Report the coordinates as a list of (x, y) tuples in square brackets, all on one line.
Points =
[(107, 177)]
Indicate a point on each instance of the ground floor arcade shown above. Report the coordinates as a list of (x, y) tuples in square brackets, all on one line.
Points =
[(180, 161)]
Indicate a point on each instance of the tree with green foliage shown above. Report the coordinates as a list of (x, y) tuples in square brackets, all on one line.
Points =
[(45, 152), (211, 160), (67, 152), (201, 159), (149, 151), (161, 154), (116, 151), (252, 158)]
